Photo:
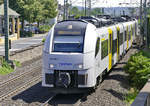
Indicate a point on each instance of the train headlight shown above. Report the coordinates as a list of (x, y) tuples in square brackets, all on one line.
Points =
[(51, 65)]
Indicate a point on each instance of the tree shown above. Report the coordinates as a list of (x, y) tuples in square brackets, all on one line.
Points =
[(50, 8), (34, 10), (76, 12), (132, 11), (96, 11), (1, 2)]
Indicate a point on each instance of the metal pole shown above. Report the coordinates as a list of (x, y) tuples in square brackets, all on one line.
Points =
[(6, 27), (64, 9), (89, 7), (141, 21), (85, 7), (145, 21)]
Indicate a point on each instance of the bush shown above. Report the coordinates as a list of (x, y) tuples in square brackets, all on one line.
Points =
[(26, 34), (138, 68), (5, 68), (43, 40), (44, 28)]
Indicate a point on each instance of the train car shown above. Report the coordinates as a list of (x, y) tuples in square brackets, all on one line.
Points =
[(76, 54), (69, 55), (120, 40)]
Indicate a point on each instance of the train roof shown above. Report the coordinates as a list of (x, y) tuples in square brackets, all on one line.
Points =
[(71, 24)]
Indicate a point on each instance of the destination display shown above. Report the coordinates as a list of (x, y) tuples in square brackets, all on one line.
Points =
[(69, 33)]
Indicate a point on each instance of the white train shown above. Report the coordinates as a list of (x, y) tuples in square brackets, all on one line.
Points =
[(76, 54)]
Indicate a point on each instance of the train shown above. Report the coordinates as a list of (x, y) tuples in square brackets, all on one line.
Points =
[(77, 54)]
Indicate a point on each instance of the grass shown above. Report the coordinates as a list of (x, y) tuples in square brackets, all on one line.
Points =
[(130, 97), (5, 68), (17, 63)]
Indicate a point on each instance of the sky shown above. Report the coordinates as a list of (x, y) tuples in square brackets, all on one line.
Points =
[(106, 3)]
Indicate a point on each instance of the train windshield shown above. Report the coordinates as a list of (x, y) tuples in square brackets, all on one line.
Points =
[(65, 41), (69, 36)]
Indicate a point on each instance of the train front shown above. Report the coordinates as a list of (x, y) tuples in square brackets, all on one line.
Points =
[(68, 58)]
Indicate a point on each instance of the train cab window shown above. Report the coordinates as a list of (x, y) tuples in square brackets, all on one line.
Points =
[(97, 46), (68, 41), (104, 49), (114, 49), (121, 39)]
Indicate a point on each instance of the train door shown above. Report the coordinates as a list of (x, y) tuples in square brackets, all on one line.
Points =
[(127, 37), (110, 49), (118, 47)]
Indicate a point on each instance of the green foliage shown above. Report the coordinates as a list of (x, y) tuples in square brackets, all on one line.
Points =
[(138, 68), (5, 68), (1, 1), (17, 63), (130, 97), (43, 40), (34, 10), (26, 34), (44, 28), (50, 8), (76, 12), (96, 11)]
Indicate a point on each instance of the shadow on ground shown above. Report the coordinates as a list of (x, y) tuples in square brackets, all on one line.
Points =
[(116, 94), (39, 94)]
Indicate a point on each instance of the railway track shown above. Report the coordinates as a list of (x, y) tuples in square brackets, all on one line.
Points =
[(46, 103), (10, 92), (15, 78)]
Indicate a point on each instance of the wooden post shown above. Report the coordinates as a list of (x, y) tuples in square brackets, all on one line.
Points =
[(13, 25), (18, 28)]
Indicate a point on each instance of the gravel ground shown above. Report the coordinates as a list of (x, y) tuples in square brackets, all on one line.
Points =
[(112, 90), (110, 93)]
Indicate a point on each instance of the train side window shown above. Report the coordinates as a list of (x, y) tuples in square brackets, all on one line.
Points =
[(129, 35), (97, 46), (110, 44), (114, 49), (121, 39), (125, 35), (104, 49), (133, 31)]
